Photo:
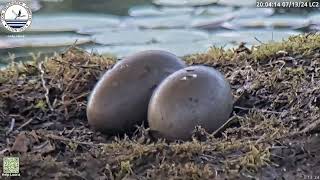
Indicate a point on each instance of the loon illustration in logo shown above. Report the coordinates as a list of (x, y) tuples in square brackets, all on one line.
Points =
[(16, 16)]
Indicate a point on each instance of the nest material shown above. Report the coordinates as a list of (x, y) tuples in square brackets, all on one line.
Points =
[(272, 133)]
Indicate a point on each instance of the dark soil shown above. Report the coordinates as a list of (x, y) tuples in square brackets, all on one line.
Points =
[(271, 134)]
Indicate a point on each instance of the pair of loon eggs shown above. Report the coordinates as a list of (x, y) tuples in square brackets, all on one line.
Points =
[(157, 87)]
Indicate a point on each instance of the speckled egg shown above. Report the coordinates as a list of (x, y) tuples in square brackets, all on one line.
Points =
[(193, 96), (120, 99)]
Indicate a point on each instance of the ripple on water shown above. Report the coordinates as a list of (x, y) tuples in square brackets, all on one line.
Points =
[(50, 40), (71, 22), (150, 10), (249, 12), (315, 28), (253, 36), (159, 22), (315, 18), (209, 22), (237, 3), (202, 18), (184, 2), (216, 10), (280, 21), (106, 29), (149, 36), (179, 49)]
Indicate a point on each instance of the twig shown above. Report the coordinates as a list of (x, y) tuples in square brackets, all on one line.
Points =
[(278, 147), (261, 110), (52, 136), (225, 125), (259, 40), (311, 127), (44, 86), (4, 151), (110, 172), (92, 66), (13, 120), (78, 97), (41, 146), (24, 124), (2, 114), (73, 79), (208, 157)]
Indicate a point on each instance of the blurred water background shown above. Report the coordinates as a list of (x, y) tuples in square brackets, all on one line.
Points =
[(122, 27)]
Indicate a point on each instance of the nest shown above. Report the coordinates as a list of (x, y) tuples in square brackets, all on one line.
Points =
[(272, 133)]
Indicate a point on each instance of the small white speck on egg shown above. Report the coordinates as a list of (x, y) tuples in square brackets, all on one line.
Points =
[(184, 78)]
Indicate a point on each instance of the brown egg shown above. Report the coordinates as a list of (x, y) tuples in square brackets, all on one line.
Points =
[(192, 96), (120, 99)]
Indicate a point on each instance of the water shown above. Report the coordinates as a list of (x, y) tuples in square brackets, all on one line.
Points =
[(127, 26)]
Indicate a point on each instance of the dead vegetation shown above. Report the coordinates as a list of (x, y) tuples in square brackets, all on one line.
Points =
[(272, 133)]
